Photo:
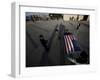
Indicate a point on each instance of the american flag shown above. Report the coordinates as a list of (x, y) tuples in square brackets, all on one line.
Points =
[(71, 43)]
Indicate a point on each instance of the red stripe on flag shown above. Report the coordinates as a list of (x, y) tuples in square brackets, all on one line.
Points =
[(66, 44), (72, 37), (72, 47), (69, 43), (69, 46)]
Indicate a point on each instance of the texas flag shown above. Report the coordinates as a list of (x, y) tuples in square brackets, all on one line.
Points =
[(71, 43)]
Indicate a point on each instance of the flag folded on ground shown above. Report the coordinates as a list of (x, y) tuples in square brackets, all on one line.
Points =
[(71, 43)]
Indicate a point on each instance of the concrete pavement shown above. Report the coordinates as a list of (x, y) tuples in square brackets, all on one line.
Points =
[(34, 48)]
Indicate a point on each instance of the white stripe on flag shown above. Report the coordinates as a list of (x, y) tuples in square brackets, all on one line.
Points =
[(69, 43), (66, 44), (69, 46), (69, 36)]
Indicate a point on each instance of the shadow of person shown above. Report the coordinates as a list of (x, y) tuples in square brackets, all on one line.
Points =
[(43, 42)]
